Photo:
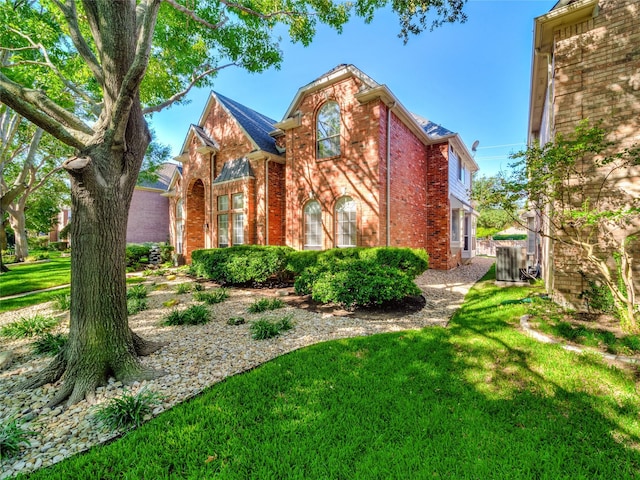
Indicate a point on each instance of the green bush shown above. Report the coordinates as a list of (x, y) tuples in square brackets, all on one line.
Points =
[(58, 246), (515, 236), (136, 253), (264, 304), (128, 411), (299, 261), (8, 259), (166, 252), (212, 297), (194, 315), (28, 327), (37, 256), (240, 265), (263, 329), (363, 276), (598, 297), (235, 321), (50, 344), (11, 436)]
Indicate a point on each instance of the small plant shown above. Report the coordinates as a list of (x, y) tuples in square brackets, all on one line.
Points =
[(214, 296), (28, 327), (62, 301), (194, 315), (183, 288), (265, 304), (129, 410), (11, 436), (235, 321), (136, 305), (50, 344), (198, 287), (263, 329), (137, 291)]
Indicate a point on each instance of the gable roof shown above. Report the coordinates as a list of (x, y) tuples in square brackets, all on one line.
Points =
[(234, 170), (165, 174), (255, 125), (432, 129)]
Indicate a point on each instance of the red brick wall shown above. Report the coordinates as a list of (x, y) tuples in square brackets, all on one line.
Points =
[(148, 217), (196, 218), (277, 198), (354, 173), (438, 217)]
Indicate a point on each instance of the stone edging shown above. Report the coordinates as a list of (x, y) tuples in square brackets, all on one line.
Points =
[(526, 326)]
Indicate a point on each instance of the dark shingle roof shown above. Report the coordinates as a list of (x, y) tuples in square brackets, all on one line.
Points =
[(432, 129), (165, 174), (234, 170), (204, 137), (255, 124)]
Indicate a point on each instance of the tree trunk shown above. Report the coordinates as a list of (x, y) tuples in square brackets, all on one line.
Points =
[(100, 345), (3, 243), (18, 224)]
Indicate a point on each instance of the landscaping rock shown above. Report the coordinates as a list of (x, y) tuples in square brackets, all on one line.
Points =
[(6, 358)]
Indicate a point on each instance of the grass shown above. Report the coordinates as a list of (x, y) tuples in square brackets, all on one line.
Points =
[(264, 304), (27, 327), (36, 276), (478, 399), (29, 300)]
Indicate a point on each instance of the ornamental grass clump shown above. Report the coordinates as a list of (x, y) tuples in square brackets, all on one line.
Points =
[(183, 288), (128, 411), (50, 343), (194, 315), (264, 328), (212, 297), (62, 301), (264, 304), (137, 291), (29, 327), (136, 305), (11, 436)]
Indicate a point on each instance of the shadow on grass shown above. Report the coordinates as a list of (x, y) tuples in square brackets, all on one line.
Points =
[(476, 400)]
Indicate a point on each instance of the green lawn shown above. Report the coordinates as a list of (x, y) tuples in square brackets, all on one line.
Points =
[(476, 400), (35, 276)]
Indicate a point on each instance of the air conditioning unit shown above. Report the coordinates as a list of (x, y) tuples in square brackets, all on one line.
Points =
[(509, 262)]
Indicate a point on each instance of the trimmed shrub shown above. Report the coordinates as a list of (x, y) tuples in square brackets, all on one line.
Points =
[(240, 265), (136, 254), (515, 236), (363, 276), (299, 261)]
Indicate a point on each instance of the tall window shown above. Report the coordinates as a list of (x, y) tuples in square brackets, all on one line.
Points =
[(328, 130), (312, 226), (223, 230), (179, 224), (346, 231), (455, 225), (237, 203)]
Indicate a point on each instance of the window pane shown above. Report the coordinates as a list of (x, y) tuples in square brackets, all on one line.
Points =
[(455, 225), (237, 199), (223, 230), (312, 226), (223, 203), (238, 229), (346, 232), (328, 130)]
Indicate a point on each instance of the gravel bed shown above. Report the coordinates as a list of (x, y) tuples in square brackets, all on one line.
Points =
[(194, 357)]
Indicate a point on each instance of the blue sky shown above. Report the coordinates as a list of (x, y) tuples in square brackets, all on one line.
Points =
[(472, 78)]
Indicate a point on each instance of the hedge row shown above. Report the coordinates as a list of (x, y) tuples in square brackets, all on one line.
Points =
[(348, 276)]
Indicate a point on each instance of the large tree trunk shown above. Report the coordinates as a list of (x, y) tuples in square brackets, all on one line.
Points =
[(18, 224), (100, 344)]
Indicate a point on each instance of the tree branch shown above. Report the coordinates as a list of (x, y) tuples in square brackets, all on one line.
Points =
[(178, 96), (193, 15), (262, 16), (36, 107), (68, 9), (48, 63)]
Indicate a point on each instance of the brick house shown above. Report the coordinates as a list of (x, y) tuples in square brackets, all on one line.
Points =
[(348, 165), (586, 64), (149, 212)]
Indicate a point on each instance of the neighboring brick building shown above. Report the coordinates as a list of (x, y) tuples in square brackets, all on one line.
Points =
[(586, 64), (149, 212), (347, 166)]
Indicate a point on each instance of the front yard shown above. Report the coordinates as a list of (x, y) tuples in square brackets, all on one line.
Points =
[(478, 399)]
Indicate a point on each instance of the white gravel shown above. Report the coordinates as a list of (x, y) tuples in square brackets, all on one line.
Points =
[(195, 357)]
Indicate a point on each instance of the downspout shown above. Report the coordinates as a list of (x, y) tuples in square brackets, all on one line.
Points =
[(388, 187), (266, 200)]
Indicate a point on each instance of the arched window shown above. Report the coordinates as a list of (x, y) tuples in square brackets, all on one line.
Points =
[(328, 131), (312, 226), (346, 229)]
